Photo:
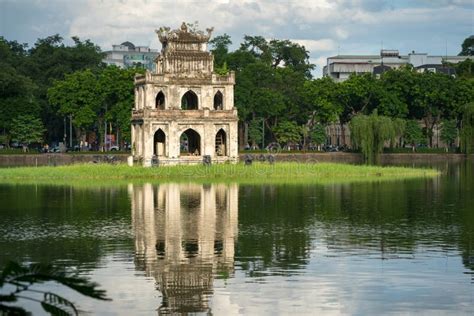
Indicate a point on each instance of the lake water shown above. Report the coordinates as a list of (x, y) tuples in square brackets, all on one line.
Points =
[(401, 247)]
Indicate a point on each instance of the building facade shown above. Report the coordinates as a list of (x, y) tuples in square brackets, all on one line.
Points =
[(183, 110), (340, 67), (127, 55)]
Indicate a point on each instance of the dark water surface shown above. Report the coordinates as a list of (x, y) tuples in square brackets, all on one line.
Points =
[(401, 247)]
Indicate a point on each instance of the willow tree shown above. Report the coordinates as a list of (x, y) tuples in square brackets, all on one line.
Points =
[(369, 134), (467, 129)]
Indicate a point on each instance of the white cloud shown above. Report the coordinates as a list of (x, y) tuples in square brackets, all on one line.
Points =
[(322, 26), (314, 46), (320, 62)]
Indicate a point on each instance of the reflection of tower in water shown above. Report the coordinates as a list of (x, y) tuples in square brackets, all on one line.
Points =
[(184, 235)]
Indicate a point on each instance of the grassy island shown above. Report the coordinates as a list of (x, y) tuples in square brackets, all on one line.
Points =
[(257, 173)]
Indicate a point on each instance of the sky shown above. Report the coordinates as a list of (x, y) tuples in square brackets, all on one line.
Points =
[(325, 27)]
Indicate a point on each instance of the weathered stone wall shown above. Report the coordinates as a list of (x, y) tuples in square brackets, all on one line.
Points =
[(174, 88)]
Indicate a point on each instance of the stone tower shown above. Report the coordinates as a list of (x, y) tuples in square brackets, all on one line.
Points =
[(184, 110)]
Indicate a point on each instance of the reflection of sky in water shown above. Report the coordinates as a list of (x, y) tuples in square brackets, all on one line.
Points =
[(354, 249)]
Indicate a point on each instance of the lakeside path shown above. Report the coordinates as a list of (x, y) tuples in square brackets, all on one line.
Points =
[(284, 173)]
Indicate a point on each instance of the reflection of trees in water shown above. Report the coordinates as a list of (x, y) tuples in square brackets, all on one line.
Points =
[(466, 201), (184, 236), (274, 229), (399, 219), (393, 219), (61, 224)]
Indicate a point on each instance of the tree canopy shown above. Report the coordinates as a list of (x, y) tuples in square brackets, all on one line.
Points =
[(276, 96), (467, 47)]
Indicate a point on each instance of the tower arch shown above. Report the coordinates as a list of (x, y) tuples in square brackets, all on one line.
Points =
[(221, 143), (159, 143), (218, 101), (190, 143), (189, 101), (160, 101)]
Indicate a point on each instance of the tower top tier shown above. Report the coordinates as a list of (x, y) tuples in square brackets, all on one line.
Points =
[(183, 39), (184, 53)]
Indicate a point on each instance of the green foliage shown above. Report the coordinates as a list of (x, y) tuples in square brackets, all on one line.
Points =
[(256, 131), (467, 130), (273, 82), (92, 98), (449, 132), (258, 93), (318, 134), (369, 133), (224, 70), (287, 132), (26, 74), (77, 95), (4, 139), (466, 47), (27, 129), (117, 89), (22, 278), (413, 133), (465, 69), (219, 46), (321, 100)]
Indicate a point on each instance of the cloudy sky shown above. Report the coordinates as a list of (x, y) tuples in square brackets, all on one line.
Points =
[(325, 27)]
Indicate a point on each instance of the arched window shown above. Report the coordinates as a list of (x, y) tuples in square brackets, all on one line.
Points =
[(221, 144), (159, 143), (190, 143), (160, 101), (189, 101), (218, 103)]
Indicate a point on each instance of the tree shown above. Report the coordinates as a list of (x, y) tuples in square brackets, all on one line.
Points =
[(21, 278), (318, 135), (78, 95), (27, 129), (287, 132), (116, 87), (257, 95), (465, 69), (321, 100), (369, 133), (220, 49), (467, 129), (17, 91), (256, 132), (435, 93), (467, 47), (449, 132), (278, 53), (413, 134), (291, 55), (50, 60), (399, 126)]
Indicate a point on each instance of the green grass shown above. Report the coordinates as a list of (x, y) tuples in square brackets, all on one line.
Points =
[(90, 174)]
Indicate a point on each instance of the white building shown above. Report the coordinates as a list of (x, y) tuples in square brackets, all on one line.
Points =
[(128, 55), (340, 67)]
